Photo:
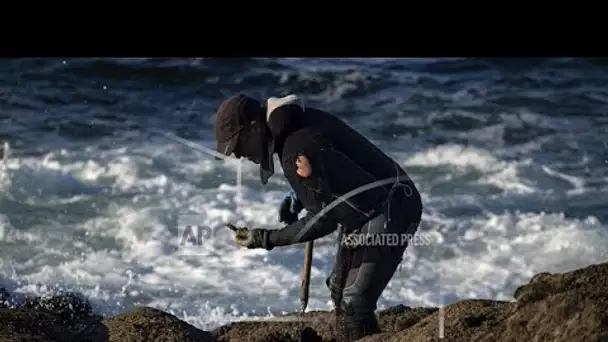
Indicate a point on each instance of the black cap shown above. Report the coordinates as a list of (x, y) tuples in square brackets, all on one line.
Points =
[(231, 118)]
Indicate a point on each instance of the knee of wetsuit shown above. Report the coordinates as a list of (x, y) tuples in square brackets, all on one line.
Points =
[(333, 288), (357, 305)]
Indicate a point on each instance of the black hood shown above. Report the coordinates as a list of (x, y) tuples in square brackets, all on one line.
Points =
[(282, 118)]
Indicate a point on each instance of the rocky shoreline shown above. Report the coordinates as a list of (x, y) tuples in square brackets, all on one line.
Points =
[(568, 307)]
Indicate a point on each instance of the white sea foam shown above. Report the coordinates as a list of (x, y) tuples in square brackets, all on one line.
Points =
[(101, 222)]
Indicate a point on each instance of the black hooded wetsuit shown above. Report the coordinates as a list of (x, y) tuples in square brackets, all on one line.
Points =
[(342, 161)]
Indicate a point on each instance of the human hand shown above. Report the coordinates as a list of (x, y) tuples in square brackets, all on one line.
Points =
[(250, 238), (290, 208)]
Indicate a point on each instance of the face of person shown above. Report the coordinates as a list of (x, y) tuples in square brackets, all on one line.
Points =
[(251, 143)]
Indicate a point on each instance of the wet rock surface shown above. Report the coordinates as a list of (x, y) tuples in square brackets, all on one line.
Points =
[(567, 307)]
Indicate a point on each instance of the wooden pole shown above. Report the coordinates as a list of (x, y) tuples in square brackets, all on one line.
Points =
[(304, 290)]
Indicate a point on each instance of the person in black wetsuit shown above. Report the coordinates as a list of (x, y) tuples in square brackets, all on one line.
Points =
[(342, 180)]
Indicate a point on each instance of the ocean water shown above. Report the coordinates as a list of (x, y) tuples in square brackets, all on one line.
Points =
[(511, 157)]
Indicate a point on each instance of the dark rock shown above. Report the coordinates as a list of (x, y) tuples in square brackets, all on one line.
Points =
[(322, 322), (309, 335), (402, 317), (568, 307), (288, 328), (26, 325), (149, 324), (69, 306)]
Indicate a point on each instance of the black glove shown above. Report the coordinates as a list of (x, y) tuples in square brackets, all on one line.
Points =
[(250, 238), (290, 208)]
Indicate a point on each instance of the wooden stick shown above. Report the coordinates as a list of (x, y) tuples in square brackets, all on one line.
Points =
[(306, 276)]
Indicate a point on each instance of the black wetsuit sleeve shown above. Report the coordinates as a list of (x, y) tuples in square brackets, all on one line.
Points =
[(298, 231)]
